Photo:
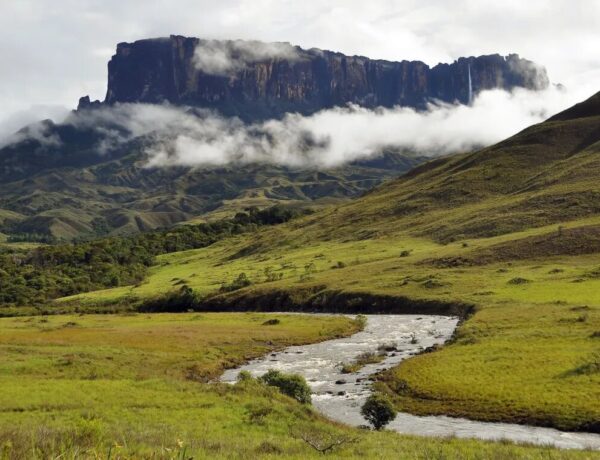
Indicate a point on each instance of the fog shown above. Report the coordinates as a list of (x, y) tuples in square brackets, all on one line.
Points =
[(216, 57), (197, 137)]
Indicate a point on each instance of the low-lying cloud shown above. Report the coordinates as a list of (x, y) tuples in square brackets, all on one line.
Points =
[(340, 135), (177, 136), (226, 57), (11, 127)]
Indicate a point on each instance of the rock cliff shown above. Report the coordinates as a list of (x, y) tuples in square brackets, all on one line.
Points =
[(255, 80)]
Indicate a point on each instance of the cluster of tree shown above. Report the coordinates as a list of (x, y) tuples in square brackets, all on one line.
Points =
[(37, 275), (31, 238)]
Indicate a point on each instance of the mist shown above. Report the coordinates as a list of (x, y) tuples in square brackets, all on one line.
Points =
[(29, 120), (337, 136), (177, 136), (215, 57)]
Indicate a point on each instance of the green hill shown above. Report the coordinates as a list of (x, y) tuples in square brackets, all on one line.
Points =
[(68, 188)]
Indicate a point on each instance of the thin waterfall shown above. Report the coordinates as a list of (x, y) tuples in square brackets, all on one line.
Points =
[(470, 86)]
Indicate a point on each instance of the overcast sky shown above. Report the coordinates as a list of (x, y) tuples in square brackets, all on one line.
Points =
[(54, 51)]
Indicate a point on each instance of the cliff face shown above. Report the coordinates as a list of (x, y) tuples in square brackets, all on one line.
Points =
[(168, 69)]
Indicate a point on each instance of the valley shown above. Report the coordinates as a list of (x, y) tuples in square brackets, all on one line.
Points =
[(523, 280)]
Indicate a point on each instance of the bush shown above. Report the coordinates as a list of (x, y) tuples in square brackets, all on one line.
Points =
[(361, 321), (177, 301), (240, 282), (293, 385), (272, 322), (378, 410), (518, 280), (244, 376)]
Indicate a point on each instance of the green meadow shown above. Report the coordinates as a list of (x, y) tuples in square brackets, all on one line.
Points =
[(528, 354), (135, 386)]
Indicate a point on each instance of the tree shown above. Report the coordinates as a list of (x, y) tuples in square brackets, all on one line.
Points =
[(378, 410)]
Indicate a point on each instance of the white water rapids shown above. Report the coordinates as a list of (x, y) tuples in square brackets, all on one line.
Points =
[(340, 396)]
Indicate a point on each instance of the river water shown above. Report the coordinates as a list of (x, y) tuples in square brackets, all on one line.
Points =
[(340, 396)]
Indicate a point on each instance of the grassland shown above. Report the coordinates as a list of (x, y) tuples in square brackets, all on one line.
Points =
[(516, 359), (512, 230), (132, 386)]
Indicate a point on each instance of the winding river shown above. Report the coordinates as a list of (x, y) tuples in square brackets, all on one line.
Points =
[(340, 396)]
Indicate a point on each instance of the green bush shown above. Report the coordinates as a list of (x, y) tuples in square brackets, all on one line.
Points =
[(240, 282), (244, 376), (292, 385), (378, 410), (178, 301)]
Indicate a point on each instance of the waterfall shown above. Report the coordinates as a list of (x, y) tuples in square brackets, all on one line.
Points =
[(470, 86)]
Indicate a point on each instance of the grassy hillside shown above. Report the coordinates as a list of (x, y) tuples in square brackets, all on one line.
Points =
[(103, 387), (83, 184), (512, 230)]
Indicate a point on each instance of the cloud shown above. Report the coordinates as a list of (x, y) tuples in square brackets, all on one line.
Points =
[(216, 57), (329, 138), (341, 135), (26, 124)]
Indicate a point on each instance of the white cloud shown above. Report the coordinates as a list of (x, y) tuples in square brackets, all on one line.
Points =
[(329, 138), (218, 57), (10, 126)]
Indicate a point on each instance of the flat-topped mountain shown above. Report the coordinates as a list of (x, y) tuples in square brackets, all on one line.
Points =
[(264, 80), (72, 179)]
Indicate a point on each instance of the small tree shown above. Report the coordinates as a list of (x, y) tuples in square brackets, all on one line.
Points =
[(378, 410), (292, 385)]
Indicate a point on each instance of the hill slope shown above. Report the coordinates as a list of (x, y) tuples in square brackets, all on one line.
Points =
[(545, 174)]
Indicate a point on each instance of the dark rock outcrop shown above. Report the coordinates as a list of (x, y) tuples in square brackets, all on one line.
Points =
[(167, 70)]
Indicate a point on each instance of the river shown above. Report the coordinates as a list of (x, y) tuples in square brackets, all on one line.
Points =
[(340, 396)]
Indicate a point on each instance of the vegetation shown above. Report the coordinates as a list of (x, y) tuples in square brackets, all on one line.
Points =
[(34, 276), (513, 358), (292, 385), (362, 360), (102, 386), (378, 410), (527, 286)]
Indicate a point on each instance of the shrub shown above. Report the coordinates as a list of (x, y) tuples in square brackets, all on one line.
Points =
[(517, 281), (361, 321), (271, 322), (178, 301), (361, 361), (378, 410), (292, 385), (244, 376), (240, 282)]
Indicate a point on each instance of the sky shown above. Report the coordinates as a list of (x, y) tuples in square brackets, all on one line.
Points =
[(54, 51)]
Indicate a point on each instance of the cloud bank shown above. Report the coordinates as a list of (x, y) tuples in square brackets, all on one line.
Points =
[(329, 138), (215, 57)]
